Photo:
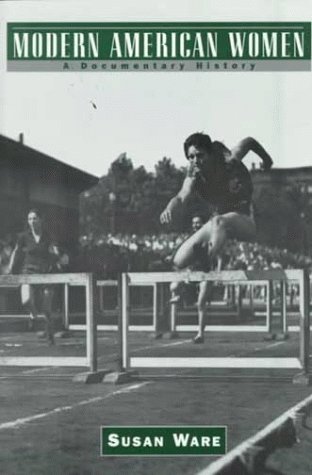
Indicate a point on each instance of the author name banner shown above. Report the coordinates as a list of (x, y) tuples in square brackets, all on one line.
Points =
[(163, 47), (126, 441)]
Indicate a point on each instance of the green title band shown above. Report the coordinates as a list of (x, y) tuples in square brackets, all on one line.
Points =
[(129, 43), (163, 441)]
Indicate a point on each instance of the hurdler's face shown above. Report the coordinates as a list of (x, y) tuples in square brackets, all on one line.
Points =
[(34, 221), (200, 158), (196, 223)]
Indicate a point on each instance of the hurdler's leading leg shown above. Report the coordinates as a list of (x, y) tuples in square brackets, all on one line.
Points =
[(204, 296), (176, 288)]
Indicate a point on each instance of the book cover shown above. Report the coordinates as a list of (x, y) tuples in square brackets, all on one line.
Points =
[(156, 225)]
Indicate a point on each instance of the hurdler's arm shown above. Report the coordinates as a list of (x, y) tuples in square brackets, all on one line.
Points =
[(250, 144), (177, 202), (15, 259)]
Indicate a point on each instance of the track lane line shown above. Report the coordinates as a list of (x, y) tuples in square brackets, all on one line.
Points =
[(17, 423), (149, 347), (225, 462), (112, 355), (137, 350)]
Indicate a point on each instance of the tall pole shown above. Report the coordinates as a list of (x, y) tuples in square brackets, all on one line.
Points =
[(112, 201)]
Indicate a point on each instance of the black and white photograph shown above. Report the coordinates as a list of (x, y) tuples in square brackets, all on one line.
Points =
[(156, 237)]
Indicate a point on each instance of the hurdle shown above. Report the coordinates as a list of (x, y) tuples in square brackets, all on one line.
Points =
[(271, 316), (101, 284), (85, 280), (302, 362), (176, 328)]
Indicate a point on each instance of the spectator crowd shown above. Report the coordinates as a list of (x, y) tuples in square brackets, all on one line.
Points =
[(110, 254), (113, 253)]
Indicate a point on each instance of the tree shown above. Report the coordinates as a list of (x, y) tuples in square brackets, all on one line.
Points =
[(279, 216)]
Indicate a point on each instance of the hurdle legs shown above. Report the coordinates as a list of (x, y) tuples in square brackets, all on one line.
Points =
[(269, 311), (304, 321), (173, 316), (124, 373), (173, 321), (283, 320), (158, 307), (91, 325), (93, 376), (66, 310), (155, 306), (163, 321), (251, 299), (239, 302), (101, 301), (125, 321), (278, 322), (304, 377), (232, 295)]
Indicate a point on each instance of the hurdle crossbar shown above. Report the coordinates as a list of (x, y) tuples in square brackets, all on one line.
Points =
[(79, 279), (235, 276), (258, 277), (302, 362), (43, 279)]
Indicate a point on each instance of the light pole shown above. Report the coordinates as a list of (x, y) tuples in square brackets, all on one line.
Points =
[(303, 228), (112, 201)]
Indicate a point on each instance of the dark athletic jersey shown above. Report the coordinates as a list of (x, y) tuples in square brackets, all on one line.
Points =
[(230, 190), (37, 256)]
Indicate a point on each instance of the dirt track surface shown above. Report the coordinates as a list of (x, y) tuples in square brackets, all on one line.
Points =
[(48, 424)]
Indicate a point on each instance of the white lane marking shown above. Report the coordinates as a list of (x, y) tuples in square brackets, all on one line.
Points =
[(25, 420), (176, 343), (258, 348), (271, 345), (46, 368), (224, 462), (149, 347), (38, 370), (137, 350)]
